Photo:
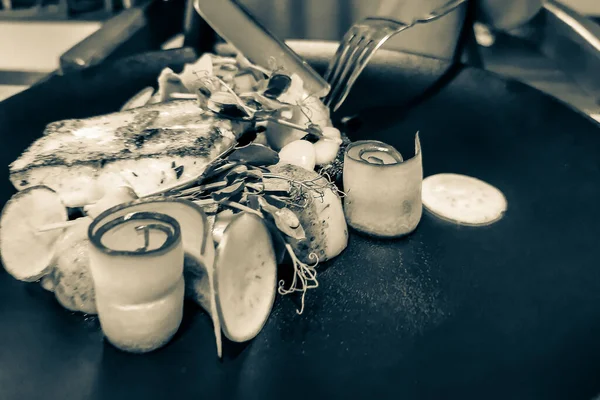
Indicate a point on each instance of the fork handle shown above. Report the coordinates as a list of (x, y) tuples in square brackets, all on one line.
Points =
[(390, 7), (409, 11), (402, 10), (446, 8)]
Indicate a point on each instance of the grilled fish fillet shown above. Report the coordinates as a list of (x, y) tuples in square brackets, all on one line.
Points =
[(148, 148)]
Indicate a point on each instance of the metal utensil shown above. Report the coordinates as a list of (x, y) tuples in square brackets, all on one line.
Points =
[(571, 40), (361, 42), (237, 26)]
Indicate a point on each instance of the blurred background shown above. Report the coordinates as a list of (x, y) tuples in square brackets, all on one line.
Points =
[(42, 37)]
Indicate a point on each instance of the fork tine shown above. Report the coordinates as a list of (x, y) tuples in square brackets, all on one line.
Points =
[(360, 44), (360, 65), (349, 62), (345, 49), (346, 43), (334, 64), (341, 88)]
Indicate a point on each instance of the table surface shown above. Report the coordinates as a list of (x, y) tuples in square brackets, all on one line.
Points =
[(454, 325)]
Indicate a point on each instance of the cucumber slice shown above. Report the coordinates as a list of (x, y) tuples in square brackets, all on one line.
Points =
[(197, 243), (26, 253), (245, 277)]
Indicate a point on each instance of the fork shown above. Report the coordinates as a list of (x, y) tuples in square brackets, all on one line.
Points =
[(359, 44)]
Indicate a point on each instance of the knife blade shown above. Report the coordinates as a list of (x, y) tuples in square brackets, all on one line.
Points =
[(237, 26)]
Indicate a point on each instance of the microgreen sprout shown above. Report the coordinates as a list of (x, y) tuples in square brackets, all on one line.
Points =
[(305, 277)]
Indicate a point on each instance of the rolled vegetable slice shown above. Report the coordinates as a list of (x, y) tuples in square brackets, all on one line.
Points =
[(26, 252), (383, 191), (136, 262), (197, 244)]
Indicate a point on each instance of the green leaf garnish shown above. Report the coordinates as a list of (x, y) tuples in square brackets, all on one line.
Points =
[(255, 187), (228, 191), (255, 154), (253, 202), (209, 187), (239, 171), (254, 174), (275, 201)]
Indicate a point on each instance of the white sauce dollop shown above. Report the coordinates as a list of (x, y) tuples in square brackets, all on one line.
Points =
[(463, 199)]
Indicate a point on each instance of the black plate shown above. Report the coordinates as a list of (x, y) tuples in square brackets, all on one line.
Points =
[(509, 311)]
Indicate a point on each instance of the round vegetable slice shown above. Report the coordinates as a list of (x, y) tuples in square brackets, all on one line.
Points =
[(26, 252), (463, 199), (245, 277)]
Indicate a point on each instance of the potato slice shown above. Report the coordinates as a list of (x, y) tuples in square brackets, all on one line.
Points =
[(245, 277), (463, 199), (27, 253)]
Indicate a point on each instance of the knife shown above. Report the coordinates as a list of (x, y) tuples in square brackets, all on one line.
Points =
[(237, 26)]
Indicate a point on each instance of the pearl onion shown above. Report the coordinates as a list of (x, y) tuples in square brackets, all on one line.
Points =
[(326, 149), (300, 153), (332, 132)]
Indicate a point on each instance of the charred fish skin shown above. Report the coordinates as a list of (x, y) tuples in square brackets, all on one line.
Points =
[(176, 128), (146, 148)]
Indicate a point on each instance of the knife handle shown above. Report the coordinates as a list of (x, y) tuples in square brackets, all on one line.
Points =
[(137, 29)]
